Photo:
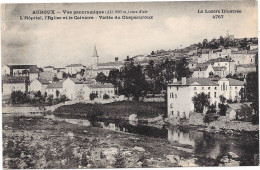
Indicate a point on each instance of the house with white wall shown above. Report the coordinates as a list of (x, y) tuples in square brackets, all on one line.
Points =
[(73, 88), (39, 85), (180, 93), (11, 83), (54, 87), (203, 71), (99, 90), (74, 68)]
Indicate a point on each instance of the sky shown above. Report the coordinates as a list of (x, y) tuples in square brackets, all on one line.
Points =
[(59, 43)]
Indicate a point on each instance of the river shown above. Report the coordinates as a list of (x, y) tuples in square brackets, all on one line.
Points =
[(201, 144)]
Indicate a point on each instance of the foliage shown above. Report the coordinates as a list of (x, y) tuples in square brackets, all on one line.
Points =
[(200, 101), (106, 96), (63, 98), (252, 86), (182, 69), (84, 160), (102, 78), (57, 93), (50, 98), (55, 79), (119, 160), (92, 96), (135, 83)]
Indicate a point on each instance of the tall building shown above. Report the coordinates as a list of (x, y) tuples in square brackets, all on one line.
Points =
[(180, 93)]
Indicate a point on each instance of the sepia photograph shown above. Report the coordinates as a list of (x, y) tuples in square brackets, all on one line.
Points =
[(129, 84)]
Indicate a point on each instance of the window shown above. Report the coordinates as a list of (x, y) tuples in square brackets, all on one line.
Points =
[(194, 88), (172, 112), (178, 113), (171, 105), (175, 95), (236, 88), (202, 88), (208, 88), (224, 86), (215, 94), (209, 94), (215, 88)]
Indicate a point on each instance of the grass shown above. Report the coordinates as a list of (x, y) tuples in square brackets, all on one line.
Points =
[(117, 110)]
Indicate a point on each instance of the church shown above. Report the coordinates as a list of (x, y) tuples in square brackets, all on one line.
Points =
[(96, 67)]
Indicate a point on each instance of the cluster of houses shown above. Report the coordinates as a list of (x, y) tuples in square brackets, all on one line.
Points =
[(75, 80), (209, 68)]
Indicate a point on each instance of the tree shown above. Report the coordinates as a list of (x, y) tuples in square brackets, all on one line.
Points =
[(57, 93), (55, 79), (101, 77), (252, 86), (114, 77), (182, 69), (92, 96), (222, 106), (135, 83), (64, 75), (106, 96), (201, 101), (50, 98), (84, 160), (205, 43)]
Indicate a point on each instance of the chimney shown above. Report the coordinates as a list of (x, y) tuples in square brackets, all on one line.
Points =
[(175, 80), (183, 80)]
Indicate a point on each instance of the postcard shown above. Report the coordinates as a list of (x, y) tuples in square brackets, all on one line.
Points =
[(129, 84)]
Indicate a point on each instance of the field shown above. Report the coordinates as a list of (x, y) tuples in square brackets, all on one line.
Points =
[(36, 142), (117, 110)]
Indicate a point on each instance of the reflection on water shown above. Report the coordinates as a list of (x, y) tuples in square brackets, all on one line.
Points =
[(203, 144)]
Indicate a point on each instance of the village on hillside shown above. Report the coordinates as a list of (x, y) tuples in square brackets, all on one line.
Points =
[(203, 99), (218, 68)]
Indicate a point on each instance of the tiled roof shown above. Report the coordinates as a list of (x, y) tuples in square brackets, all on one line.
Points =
[(207, 82), (43, 81), (107, 85), (55, 85), (198, 82), (13, 79), (75, 65), (221, 60), (32, 68), (201, 67), (219, 68), (49, 67), (234, 82), (76, 81), (110, 64)]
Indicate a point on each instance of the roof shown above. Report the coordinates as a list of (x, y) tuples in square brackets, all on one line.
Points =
[(75, 65), (76, 81), (235, 106), (219, 68), (13, 79), (110, 64), (207, 82), (234, 82), (103, 69), (197, 82), (49, 67), (221, 60), (32, 68), (202, 67), (55, 85), (247, 66), (107, 85), (43, 81), (95, 54)]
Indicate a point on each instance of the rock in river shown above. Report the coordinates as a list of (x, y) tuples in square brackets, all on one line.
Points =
[(140, 149)]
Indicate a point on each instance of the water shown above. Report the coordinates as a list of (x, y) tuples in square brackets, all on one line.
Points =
[(201, 144)]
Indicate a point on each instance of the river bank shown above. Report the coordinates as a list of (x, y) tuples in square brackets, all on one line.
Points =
[(37, 142)]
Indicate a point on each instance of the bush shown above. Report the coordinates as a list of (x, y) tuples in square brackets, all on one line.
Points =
[(92, 96), (63, 98), (119, 160), (106, 96)]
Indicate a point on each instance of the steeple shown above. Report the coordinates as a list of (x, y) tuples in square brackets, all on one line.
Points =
[(95, 58), (95, 52)]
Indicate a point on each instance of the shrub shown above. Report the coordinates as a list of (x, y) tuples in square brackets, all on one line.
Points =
[(119, 160), (92, 96), (63, 98), (106, 96)]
